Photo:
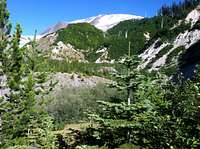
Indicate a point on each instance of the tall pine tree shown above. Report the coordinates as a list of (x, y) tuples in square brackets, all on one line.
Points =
[(5, 28), (129, 79), (25, 123)]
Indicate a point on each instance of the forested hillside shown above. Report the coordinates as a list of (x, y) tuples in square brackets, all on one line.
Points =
[(83, 36)]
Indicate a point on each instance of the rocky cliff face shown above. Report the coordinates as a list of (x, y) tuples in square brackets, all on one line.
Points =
[(189, 40), (66, 52)]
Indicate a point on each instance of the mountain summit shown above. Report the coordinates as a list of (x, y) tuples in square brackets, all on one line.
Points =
[(102, 22), (105, 22)]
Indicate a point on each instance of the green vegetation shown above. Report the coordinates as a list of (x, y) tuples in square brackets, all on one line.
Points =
[(90, 147), (174, 54), (135, 34), (124, 146), (167, 34), (196, 25), (24, 122), (70, 105), (169, 70), (161, 117), (178, 10), (87, 37), (83, 36), (88, 69), (126, 80)]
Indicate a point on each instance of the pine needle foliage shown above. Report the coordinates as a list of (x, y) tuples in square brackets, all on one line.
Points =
[(24, 123), (166, 115)]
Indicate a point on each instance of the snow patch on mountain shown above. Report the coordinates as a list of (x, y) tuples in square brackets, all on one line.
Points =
[(102, 50), (186, 39), (102, 22), (105, 22), (147, 36), (87, 20)]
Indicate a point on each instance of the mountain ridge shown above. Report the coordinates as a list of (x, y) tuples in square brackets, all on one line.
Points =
[(102, 22)]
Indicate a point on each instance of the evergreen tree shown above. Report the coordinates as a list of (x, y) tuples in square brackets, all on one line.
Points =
[(24, 122), (5, 28), (129, 79), (179, 10), (14, 73)]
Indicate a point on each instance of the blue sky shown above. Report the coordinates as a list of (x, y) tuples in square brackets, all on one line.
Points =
[(40, 14)]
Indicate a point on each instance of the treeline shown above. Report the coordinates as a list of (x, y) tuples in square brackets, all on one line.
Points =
[(87, 69), (178, 10)]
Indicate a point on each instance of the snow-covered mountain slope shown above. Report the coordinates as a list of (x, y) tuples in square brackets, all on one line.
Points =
[(105, 22), (102, 22)]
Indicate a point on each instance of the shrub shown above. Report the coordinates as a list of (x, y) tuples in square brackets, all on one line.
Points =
[(71, 104)]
